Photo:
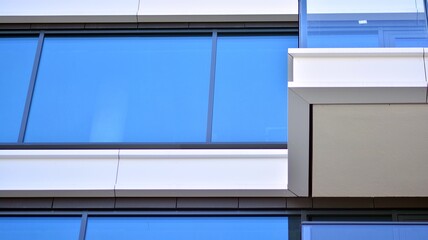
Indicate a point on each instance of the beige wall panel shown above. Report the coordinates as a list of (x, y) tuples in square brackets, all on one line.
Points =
[(370, 150)]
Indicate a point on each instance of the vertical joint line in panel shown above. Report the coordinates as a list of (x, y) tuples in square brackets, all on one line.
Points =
[(381, 38), (425, 72), (83, 225), (211, 88), (138, 10), (311, 129), (31, 88), (117, 172), (394, 216)]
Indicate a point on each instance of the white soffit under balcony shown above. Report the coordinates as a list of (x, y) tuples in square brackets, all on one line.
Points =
[(58, 173), (63, 11), (217, 10), (358, 75), (202, 173)]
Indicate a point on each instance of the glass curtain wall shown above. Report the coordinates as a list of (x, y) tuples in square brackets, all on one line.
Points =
[(145, 89), (363, 23)]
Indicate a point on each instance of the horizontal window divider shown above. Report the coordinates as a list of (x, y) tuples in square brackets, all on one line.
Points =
[(145, 31), (127, 213), (361, 223), (231, 212), (141, 146)]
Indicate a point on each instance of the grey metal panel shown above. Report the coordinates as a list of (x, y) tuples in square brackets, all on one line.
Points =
[(57, 26), (14, 26), (83, 203), (289, 24), (204, 193), (343, 202), (298, 144), (266, 203), (111, 26), (32, 203), (207, 203), (146, 203), (393, 202), (375, 150), (299, 203), (219, 18), (343, 95), (216, 25), (163, 25)]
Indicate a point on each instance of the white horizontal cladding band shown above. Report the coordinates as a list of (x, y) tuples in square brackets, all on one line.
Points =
[(59, 154), (356, 52), (178, 172), (218, 7), (205, 153), (357, 67), (197, 172), (58, 173), (133, 11)]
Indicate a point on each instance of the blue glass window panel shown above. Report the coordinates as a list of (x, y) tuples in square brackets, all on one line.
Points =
[(411, 42), (121, 89), (39, 228), (188, 228), (250, 99), (332, 40), (16, 64), (333, 22), (364, 231)]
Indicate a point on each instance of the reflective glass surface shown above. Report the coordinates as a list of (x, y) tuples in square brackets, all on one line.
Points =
[(250, 97), (16, 64), (121, 89), (188, 228), (364, 231), (39, 228), (363, 23)]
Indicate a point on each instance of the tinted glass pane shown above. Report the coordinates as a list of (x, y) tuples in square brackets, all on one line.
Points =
[(16, 64), (364, 231), (121, 89), (342, 40), (250, 101), (39, 228), (188, 228), (363, 23)]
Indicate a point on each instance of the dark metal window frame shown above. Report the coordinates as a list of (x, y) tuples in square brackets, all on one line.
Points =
[(214, 33)]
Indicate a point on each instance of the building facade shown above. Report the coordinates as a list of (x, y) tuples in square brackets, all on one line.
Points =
[(209, 119)]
